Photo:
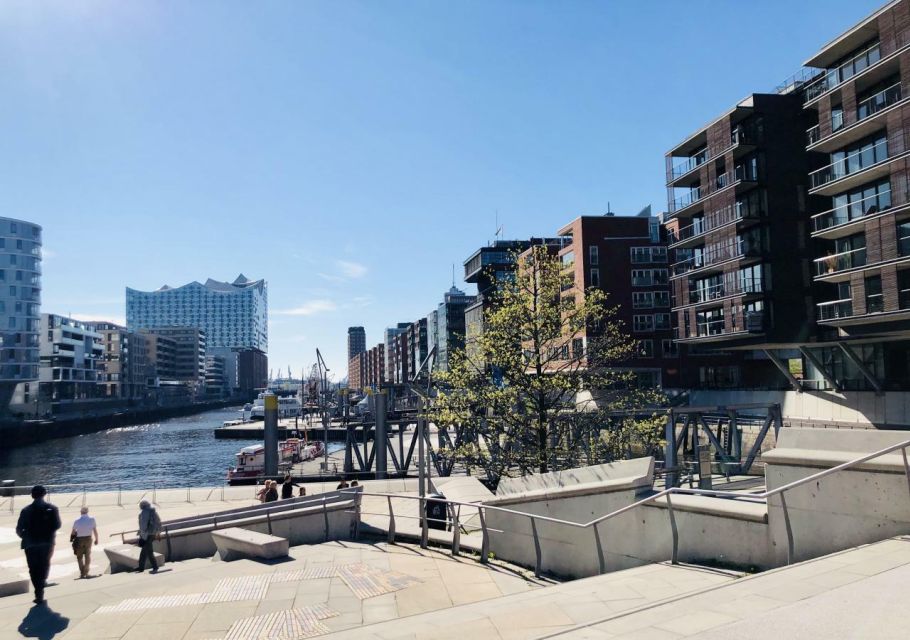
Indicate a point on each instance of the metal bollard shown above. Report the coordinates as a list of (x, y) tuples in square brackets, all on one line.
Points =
[(188, 495), (119, 495)]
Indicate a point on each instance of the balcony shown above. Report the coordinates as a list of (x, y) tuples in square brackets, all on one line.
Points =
[(863, 165), (851, 211), (717, 255), (864, 125), (878, 102), (709, 328), (813, 135), (720, 290), (835, 310), (687, 200), (835, 77), (838, 262)]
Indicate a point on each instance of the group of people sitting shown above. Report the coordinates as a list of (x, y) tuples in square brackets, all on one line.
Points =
[(269, 490)]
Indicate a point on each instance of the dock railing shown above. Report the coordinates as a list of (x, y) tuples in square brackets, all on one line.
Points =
[(454, 511)]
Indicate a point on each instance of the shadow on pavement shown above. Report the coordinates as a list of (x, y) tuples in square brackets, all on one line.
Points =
[(43, 623)]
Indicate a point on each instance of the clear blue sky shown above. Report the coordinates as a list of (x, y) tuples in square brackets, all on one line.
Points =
[(351, 152)]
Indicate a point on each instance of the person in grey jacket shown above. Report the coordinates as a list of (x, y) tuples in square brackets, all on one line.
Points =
[(149, 528)]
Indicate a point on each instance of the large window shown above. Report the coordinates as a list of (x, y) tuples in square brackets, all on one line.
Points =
[(866, 200), (859, 156), (643, 323), (593, 255), (874, 300), (643, 299)]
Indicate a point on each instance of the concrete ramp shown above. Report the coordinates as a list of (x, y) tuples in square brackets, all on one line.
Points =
[(638, 472)]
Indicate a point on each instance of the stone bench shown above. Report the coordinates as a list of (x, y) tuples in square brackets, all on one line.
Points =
[(234, 543), (12, 584), (125, 557)]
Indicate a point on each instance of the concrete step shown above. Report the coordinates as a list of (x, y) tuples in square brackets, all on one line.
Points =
[(561, 606)]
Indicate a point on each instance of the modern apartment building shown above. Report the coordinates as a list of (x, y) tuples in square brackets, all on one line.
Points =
[(393, 351), (125, 370), (739, 242), (189, 345), (20, 299), (450, 325), (418, 345), (357, 341), (626, 257), (232, 314), (356, 371), (859, 114), (68, 371), (215, 381)]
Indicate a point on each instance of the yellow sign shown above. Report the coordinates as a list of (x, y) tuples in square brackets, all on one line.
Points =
[(271, 402)]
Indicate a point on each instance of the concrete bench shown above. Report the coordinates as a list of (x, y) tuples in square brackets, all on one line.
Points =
[(11, 584), (234, 543), (125, 557)]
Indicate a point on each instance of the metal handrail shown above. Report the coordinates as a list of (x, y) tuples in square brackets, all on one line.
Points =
[(481, 508)]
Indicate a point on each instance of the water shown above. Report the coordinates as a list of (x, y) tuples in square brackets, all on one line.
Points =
[(175, 453)]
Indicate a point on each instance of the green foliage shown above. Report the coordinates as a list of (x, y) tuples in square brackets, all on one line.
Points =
[(530, 394)]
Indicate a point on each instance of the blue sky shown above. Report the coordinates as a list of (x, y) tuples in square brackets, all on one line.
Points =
[(351, 152)]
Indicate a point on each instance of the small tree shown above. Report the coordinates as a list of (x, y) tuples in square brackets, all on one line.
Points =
[(517, 386)]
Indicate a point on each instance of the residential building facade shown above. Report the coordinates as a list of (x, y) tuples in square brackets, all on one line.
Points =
[(68, 371), (125, 371)]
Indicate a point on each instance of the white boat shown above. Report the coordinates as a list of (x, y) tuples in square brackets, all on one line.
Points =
[(251, 459), (288, 407)]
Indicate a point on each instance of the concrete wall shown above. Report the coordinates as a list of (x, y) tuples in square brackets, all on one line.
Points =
[(845, 509), (849, 409)]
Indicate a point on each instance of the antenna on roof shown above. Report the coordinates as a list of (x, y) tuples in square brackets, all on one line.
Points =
[(453, 275)]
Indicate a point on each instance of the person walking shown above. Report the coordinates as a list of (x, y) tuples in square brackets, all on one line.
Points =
[(149, 528), (83, 529), (37, 526)]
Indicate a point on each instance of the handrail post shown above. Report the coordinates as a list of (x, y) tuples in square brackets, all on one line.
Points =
[(537, 553), (119, 495), (601, 561), (906, 466), (485, 537), (674, 555), (325, 517), (268, 519), (456, 532), (84, 495), (170, 552), (783, 504), (391, 521), (222, 492), (155, 493), (188, 495), (424, 525)]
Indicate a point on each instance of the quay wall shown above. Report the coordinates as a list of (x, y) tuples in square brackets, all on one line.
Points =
[(24, 432)]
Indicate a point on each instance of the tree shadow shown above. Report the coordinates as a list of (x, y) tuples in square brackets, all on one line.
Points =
[(43, 623)]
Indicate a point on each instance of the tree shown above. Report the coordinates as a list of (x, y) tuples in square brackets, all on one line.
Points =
[(546, 366)]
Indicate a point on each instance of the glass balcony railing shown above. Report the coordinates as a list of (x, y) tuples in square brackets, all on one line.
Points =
[(854, 162), (691, 164), (835, 309), (835, 262), (690, 198), (710, 327), (717, 254), (813, 135), (852, 210), (834, 77), (881, 100), (711, 221), (724, 289), (903, 246)]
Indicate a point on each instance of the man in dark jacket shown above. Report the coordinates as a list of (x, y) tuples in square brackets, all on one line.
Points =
[(38, 522), (149, 528)]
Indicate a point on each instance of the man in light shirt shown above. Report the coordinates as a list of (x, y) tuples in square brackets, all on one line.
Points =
[(83, 530)]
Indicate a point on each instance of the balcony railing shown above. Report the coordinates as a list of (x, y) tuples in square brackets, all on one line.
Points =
[(852, 210), (881, 100), (692, 163), (719, 253), (813, 135), (724, 289), (834, 77), (711, 221), (739, 135), (840, 261), (835, 309), (709, 328), (693, 196), (903, 246), (859, 160)]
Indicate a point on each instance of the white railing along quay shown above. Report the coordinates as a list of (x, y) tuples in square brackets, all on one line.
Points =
[(455, 513)]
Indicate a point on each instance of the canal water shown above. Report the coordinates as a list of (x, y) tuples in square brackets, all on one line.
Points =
[(172, 453)]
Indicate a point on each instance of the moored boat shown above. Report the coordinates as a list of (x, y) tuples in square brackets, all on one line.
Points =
[(251, 460)]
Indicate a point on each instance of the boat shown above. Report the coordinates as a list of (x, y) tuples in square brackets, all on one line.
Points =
[(288, 407), (251, 460)]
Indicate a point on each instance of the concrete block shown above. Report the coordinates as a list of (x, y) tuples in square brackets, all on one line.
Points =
[(235, 543), (11, 584), (125, 557)]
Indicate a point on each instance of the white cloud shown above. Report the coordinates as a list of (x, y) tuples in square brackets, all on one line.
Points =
[(310, 308), (47, 254), (87, 317), (351, 269), (330, 278)]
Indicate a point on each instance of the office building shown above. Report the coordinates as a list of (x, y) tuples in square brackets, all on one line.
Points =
[(357, 341), (20, 299), (393, 351), (450, 326), (189, 344), (215, 381), (231, 314)]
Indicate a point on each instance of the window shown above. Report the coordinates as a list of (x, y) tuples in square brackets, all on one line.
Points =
[(668, 349), (640, 255), (654, 230), (662, 321), (658, 254), (593, 255), (874, 301), (578, 348), (595, 277), (643, 299), (642, 278), (646, 348), (661, 298), (837, 117), (643, 323), (568, 259)]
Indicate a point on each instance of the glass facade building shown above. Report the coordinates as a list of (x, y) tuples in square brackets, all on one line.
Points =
[(231, 314), (20, 299)]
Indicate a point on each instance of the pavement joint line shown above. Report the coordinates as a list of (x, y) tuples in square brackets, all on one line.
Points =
[(737, 581)]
